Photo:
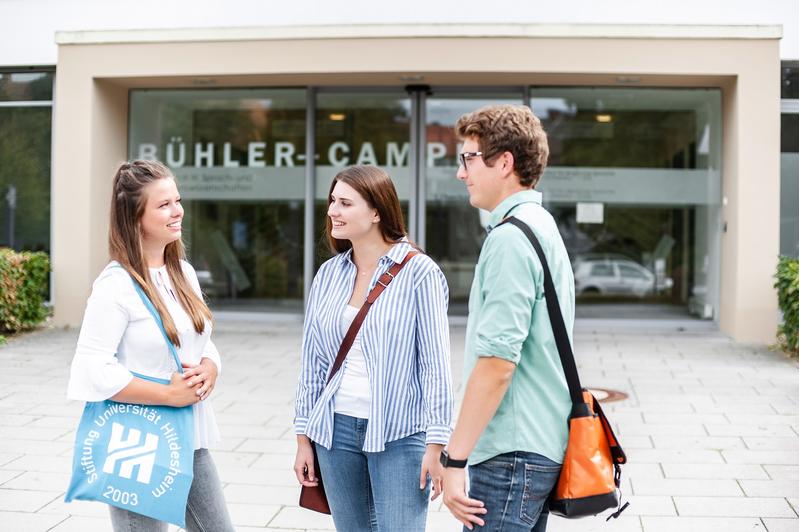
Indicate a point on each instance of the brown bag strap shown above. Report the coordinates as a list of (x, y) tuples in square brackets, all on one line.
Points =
[(382, 283)]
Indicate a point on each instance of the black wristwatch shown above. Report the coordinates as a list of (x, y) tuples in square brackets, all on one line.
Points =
[(446, 461)]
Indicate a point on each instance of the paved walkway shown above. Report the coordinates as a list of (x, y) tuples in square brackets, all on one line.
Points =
[(711, 429)]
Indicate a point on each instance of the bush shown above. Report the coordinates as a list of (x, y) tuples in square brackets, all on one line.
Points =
[(23, 288), (787, 286)]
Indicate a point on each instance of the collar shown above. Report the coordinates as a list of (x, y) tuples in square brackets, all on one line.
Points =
[(511, 202), (395, 253)]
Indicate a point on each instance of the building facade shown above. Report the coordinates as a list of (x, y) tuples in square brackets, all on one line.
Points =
[(664, 176)]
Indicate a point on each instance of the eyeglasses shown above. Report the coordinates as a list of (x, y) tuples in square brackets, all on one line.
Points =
[(464, 156)]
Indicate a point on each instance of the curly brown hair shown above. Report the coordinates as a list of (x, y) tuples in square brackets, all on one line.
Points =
[(511, 128)]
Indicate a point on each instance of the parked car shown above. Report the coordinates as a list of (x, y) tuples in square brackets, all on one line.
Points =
[(618, 277)]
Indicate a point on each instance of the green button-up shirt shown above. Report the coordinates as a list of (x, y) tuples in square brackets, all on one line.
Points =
[(508, 319)]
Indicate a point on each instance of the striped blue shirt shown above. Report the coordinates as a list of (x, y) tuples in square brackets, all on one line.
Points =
[(404, 339)]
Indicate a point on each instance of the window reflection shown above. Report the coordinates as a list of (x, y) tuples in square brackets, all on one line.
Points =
[(239, 159), (360, 128)]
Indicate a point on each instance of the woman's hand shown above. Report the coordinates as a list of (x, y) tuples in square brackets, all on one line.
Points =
[(204, 373), (431, 465), (180, 392), (304, 463)]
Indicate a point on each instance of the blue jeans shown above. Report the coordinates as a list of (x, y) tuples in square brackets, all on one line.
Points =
[(206, 510), (376, 492), (514, 487)]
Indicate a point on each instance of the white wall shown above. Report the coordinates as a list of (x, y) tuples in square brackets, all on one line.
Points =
[(27, 27)]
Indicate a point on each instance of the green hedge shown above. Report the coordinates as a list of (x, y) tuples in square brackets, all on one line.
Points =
[(787, 286), (23, 288)]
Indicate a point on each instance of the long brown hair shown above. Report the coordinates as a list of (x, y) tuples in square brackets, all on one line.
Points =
[(128, 201), (376, 187)]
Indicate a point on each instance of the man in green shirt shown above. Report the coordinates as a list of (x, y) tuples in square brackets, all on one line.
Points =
[(512, 428)]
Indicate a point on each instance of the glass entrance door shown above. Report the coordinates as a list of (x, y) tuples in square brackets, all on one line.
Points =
[(453, 229), (634, 182)]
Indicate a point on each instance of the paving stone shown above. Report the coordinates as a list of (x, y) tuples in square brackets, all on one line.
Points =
[(653, 486), (734, 506), (25, 500), (54, 464), (38, 480), (780, 472), (253, 494), (736, 394), (83, 524), (714, 471), (268, 446), (260, 477), (762, 457), (685, 456), (33, 447), (649, 505), (637, 470), (702, 524), (258, 515), (774, 524), (772, 444), (29, 522), (625, 523), (81, 508), (698, 442), (739, 429), (770, 488), (292, 516), (654, 429)]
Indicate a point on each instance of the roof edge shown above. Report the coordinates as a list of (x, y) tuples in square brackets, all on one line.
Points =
[(383, 31)]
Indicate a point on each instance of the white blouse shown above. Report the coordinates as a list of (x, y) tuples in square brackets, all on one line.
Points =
[(354, 396), (119, 336)]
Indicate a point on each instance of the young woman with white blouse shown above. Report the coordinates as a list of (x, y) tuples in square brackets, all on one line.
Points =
[(379, 425), (119, 335)]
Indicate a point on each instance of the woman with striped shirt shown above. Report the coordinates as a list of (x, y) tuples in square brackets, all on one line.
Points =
[(380, 424)]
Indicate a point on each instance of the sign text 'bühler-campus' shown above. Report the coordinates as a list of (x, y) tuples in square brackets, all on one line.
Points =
[(177, 154)]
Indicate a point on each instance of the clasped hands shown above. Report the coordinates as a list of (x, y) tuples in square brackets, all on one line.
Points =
[(201, 378)]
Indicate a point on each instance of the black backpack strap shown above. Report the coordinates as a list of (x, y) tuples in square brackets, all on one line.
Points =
[(556, 319)]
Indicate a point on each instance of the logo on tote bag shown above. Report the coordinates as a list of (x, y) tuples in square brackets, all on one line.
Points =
[(131, 453)]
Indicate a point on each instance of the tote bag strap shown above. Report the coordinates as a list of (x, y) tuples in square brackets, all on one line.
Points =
[(555, 316), (382, 283), (157, 318)]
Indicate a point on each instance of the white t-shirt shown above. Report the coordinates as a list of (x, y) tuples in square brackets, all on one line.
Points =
[(354, 395), (119, 336)]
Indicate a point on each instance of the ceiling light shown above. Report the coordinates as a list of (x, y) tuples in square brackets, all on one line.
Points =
[(337, 117), (604, 118)]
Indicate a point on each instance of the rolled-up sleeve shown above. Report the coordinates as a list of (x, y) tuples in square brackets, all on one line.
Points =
[(95, 373), (508, 279), (311, 381), (432, 296)]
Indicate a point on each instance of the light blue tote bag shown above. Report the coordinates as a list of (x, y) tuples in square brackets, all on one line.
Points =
[(136, 457)]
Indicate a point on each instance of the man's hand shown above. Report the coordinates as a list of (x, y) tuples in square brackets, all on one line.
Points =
[(465, 510), (432, 466), (205, 372)]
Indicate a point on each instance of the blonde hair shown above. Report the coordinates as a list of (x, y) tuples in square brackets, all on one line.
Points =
[(128, 201)]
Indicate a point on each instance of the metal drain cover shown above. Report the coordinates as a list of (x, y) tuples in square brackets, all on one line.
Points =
[(605, 395)]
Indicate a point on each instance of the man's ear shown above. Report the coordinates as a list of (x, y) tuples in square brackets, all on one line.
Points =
[(507, 163)]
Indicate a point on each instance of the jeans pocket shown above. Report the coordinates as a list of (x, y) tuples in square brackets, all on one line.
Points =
[(539, 480)]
